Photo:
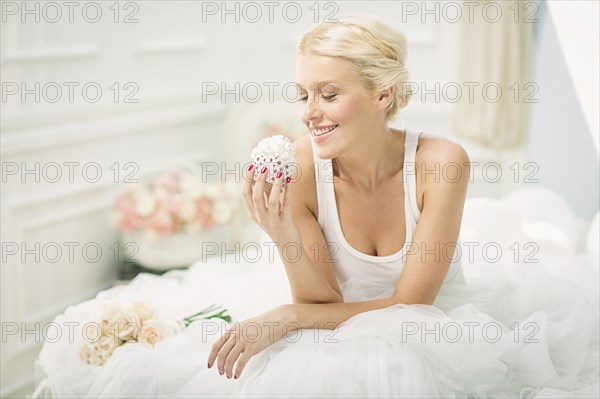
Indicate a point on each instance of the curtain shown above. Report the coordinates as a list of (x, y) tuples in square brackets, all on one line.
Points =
[(496, 47)]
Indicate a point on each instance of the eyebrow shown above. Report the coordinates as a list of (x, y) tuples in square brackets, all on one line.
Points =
[(319, 84)]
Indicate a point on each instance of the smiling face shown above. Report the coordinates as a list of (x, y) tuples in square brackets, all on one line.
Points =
[(332, 96)]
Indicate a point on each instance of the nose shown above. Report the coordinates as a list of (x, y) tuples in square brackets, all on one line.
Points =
[(311, 111)]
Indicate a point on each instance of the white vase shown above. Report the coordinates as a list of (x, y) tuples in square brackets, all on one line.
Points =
[(163, 253)]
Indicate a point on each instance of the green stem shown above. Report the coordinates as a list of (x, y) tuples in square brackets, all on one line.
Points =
[(203, 311), (221, 315)]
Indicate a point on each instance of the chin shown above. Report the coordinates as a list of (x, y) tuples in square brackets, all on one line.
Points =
[(325, 154)]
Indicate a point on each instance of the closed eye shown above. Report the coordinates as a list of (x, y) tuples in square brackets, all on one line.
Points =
[(326, 98)]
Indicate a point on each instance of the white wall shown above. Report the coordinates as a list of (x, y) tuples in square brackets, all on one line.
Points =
[(166, 55), (560, 141), (576, 24)]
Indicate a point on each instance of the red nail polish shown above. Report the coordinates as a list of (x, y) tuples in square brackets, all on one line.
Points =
[(279, 174), (235, 377), (288, 179), (250, 167), (208, 365), (264, 169)]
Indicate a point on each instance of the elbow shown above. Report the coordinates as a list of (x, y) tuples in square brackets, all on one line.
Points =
[(397, 300), (314, 301)]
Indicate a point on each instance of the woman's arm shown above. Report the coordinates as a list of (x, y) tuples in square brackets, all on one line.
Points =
[(425, 268), (328, 316), (430, 251), (311, 278), (310, 272)]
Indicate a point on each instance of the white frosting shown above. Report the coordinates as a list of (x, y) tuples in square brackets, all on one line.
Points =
[(277, 154), (278, 147)]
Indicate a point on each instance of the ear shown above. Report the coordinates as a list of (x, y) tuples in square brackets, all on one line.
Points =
[(386, 97)]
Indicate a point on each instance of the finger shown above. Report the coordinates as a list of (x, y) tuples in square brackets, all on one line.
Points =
[(231, 359), (214, 351), (247, 189), (224, 352), (286, 210), (258, 195), (241, 363), (274, 199)]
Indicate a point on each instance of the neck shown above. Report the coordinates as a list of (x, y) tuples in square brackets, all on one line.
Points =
[(375, 160)]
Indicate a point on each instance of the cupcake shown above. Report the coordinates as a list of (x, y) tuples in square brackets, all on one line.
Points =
[(277, 154)]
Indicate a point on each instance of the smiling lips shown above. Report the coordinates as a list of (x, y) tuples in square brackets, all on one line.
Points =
[(320, 130), (322, 133)]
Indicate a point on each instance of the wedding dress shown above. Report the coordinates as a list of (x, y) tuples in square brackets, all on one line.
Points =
[(512, 330)]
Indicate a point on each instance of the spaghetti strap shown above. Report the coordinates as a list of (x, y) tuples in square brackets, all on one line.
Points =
[(410, 171)]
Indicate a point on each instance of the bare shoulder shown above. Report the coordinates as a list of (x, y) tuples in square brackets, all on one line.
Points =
[(305, 186), (433, 149), (303, 147), (439, 161)]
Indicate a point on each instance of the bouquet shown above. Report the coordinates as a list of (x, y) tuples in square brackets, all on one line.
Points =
[(123, 322), (176, 201)]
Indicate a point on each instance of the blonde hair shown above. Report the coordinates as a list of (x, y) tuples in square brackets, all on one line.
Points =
[(375, 51)]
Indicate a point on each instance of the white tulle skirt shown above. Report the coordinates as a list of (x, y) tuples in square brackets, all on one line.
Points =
[(520, 332)]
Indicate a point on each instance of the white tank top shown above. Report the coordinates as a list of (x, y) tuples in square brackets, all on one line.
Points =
[(359, 275)]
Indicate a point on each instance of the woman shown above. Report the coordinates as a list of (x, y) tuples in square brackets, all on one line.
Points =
[(367, 235), (387, 286)]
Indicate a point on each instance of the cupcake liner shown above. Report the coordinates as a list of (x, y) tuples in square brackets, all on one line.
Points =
[(277, 154)]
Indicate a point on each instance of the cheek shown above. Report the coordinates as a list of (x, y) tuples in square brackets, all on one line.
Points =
[(344, 110)]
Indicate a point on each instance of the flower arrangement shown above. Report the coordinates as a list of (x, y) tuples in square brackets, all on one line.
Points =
[(123, 322), (176, 201)]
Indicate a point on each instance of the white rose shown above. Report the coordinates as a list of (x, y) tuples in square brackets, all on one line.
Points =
[(154, 330), (187, 211), (121, 319), (144, 204), (85, 351), (143, 310), (162, 194), (190, 186), (222, 213), (97, 353)]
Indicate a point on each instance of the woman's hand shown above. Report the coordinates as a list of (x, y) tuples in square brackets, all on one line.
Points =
[(243, 340), (271, 210)]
